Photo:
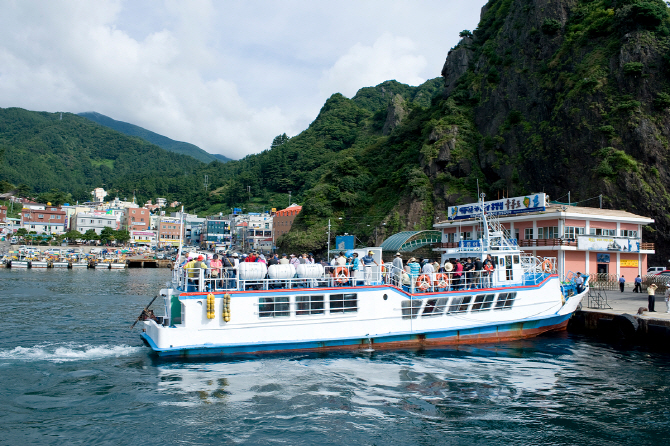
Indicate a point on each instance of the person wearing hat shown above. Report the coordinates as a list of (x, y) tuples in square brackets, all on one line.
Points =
[(193, 269), (283, 260), (414, 269), (368, 260), (294, 261), (448, 269), (651, 292), (355, 268), (397, 267)]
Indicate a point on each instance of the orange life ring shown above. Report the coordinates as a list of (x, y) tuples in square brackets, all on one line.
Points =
[(547, 267), (441, 280), (342, 274), (423, 282)]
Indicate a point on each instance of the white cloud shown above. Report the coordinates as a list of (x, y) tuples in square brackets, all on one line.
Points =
[(226, 76), (363, 66)]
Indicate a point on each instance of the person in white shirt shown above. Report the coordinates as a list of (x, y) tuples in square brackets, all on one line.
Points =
[(428, 268), (579, 281)]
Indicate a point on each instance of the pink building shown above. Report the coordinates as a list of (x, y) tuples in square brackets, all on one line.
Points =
[(589, 240)]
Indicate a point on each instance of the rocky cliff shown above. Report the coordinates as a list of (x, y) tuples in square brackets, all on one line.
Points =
[(567, 95)]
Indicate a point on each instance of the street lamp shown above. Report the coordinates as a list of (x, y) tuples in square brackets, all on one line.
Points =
[(328, 252)]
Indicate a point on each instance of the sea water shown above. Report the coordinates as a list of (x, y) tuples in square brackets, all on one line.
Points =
[(72, 372)]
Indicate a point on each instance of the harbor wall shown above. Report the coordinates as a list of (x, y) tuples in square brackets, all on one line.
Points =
[(628, 328)]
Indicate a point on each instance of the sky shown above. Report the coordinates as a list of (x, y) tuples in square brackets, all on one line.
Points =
[(227, 76)]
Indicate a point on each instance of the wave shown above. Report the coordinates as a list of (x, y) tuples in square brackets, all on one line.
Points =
[(69, 352)]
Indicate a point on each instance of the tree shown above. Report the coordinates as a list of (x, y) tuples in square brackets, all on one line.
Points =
[(73, 235), (107, 235), (122, 236), (21, 232), (465, 33), (23, 190), (90, 235)]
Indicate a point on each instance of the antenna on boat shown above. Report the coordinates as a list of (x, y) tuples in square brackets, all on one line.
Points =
[(181, 232), (485, 223)]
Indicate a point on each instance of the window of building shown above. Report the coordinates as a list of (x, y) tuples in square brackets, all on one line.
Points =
[(605, 232), (466, 236), (572, 232), (343, 303), (483, 302), (273, 306), (528, 234), (40, 215), (459, 304), (434, 307), (451, 237), (505, 301), (547, 232), (306, 305), (410, 308), (628, 233)]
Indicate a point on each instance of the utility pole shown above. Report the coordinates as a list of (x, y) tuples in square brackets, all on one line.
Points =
[(206, 182), (289, 198), (249, 190), (328, 252)]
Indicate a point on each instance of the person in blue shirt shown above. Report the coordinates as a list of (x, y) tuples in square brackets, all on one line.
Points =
[(638, 285), (355, 268), (622, 283), (368, 260)]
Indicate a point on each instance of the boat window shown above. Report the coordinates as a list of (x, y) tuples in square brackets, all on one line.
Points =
[(501, 261), (505, 301), (410, 308), (459, 304), (434, 307), (483, 302), (343, 303), (306, 305), (516, 260), (273, 307)]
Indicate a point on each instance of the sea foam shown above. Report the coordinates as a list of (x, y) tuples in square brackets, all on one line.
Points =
[(69, 352)]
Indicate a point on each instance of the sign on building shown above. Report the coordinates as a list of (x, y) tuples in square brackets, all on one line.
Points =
[(629, 263), (595, 243), (344, 242), (506, 206)]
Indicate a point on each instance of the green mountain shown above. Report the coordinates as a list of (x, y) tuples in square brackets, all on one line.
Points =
[(161, 141), (44, 151)]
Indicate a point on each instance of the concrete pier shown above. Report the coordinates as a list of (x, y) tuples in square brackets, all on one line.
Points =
[(622, 322)]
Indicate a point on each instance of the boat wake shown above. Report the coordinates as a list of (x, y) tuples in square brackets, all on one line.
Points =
[(68, 352)]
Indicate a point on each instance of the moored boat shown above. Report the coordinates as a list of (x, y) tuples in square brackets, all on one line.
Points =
[(254, 309)]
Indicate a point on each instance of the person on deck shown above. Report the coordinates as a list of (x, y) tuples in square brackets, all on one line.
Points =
[(355, 269), (478, 273), (341, 260), (397, 266), (284, 260), (368, 260), (468, 269), (489, 267), (294, 261), (458, 275)]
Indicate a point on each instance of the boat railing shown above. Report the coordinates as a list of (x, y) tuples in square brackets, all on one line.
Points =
[(229, 279)]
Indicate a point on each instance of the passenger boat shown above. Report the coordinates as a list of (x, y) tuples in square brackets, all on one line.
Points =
[(254, 309), (19, 263)]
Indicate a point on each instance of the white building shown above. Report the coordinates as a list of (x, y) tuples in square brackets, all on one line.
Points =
[(145, 237), (84, 221), (99, 194)]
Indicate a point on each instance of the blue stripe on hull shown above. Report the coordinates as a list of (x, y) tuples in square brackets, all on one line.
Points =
[(489, 333)]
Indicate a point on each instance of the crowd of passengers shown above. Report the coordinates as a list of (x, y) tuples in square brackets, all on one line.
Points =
[(454, 274)]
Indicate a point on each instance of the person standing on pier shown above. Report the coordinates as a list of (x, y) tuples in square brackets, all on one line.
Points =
[(622, 283), (651, 291), (638, 284), (667, 297)]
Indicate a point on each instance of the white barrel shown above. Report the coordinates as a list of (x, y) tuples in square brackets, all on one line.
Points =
[(281, 271), (252, 270), (310, 271)]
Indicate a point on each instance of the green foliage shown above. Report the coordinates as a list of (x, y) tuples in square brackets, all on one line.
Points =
[(633, 68), (613, 162), (465, 33), (74, 235), (90, 235), (662, 100), (608, 130), (493, 76), (550, 27)]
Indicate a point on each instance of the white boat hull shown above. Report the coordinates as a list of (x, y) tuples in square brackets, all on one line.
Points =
[(60, 264), (118, 266), (384, 317), (79, 265), (19, 264), (102, 266), (38, 264)]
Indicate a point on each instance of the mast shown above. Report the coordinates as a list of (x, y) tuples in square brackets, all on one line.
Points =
[(485, 223), (181, 233)]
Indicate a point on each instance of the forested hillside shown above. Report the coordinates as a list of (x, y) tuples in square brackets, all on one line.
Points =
[(161, 141), (44, 152)]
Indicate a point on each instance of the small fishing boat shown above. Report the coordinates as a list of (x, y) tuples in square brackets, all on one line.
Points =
[(79, 264), (102, 265), (15, 263), (39, 264), (254, 309), (60, 264)]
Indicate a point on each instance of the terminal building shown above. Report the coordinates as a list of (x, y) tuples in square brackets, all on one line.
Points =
[(584, 239)]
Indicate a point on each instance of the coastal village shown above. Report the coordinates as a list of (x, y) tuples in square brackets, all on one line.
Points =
[(146, 225)]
